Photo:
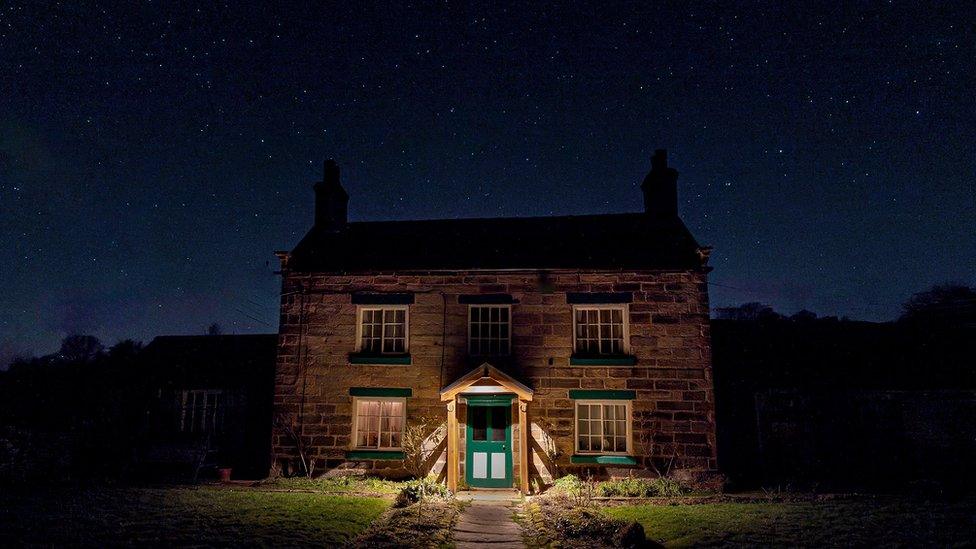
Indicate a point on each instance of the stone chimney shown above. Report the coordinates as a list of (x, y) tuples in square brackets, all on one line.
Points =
[(331, 200), (661, 188)]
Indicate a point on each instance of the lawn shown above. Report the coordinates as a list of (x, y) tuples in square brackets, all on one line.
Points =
[(881, 521), (181, 516)]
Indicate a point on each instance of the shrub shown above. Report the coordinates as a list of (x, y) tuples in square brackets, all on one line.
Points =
[(668, 487), (641, 488), (585, 523), (581, 491), (569, 484), (415, 490)]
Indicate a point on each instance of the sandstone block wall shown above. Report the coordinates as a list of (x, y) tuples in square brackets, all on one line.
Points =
[(668, 334)]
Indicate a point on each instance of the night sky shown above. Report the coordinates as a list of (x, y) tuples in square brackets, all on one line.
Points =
[(153, 158)]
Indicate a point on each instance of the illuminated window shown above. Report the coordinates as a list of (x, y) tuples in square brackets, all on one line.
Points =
[(603, 427), (600, 329), (200, 411), (379, 423), (383, 330), (489, 330)]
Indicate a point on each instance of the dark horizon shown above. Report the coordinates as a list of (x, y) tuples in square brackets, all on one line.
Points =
[(152, 160)]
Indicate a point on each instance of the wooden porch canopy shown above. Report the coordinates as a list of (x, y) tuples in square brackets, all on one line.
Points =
[(486, 379)]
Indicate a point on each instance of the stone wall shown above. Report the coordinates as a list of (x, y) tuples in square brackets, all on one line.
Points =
[(669, 323)]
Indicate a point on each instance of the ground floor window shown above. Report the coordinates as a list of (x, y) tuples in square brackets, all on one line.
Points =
[(603, 427), (379, 423), (201, 411)]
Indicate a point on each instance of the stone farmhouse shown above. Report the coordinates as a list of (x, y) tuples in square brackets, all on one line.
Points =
[(542, 345)]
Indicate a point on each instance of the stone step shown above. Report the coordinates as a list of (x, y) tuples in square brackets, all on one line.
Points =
[(492, 545), (486, 537), (489, 528)]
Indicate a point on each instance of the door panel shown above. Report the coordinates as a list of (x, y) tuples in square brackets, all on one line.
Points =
[(498, 465), (489, 448), (479, 465)]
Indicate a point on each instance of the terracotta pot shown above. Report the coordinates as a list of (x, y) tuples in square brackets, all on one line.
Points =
[(223, 473)]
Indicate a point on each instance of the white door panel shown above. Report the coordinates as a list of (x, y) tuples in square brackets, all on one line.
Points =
[(497, 465), (479, 469)]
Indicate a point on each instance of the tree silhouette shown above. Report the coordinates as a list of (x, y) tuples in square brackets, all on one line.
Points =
[(80, 348), (748, 311), (945, 304)]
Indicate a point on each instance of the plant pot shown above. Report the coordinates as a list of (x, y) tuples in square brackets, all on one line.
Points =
[(223, 473)]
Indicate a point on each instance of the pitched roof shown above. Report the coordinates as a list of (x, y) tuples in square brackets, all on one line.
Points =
[(609, 241)]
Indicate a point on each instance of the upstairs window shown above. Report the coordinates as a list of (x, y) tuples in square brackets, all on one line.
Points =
[(489, 330), (200, 411), (383, 330), (379, 423), (600, 329)]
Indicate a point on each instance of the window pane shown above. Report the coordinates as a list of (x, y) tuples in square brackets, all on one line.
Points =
[(583, 411), (499, 421), (479, 423), (584, 443), (618, 316)]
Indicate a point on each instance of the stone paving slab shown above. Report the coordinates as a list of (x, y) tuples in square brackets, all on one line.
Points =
[(487, 524)]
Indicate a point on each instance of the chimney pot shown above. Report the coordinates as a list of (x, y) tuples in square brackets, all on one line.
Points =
[(660, 188), (331, 200), (660, 159)]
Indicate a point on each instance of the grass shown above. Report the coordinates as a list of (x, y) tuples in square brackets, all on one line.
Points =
[(337, 485), (107, 516), (863, 521), (415, 526)]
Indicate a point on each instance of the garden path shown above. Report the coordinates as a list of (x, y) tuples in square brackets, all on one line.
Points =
[(487, 522)]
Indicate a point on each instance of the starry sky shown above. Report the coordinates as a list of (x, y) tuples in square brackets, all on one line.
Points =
[(153, 155)]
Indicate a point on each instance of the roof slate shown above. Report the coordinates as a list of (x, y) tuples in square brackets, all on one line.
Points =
[(608, 241)]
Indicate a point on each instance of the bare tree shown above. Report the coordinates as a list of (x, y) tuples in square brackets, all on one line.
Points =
[(649, 448), (420, 440)]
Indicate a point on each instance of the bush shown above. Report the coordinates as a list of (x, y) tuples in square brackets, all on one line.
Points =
[(570, 484), (585, 523), (668, 487), (414, 490), (641, 488)]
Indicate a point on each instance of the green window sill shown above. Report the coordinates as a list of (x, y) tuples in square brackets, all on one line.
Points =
[(604, 460), (375, 454), (617, 360), (357, 358)]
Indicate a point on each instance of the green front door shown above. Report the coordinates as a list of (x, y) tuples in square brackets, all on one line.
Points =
[(488, 459)]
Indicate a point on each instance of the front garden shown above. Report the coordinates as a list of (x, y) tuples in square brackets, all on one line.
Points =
[(299, 512), (656, 512), (351, 511), (180, 516)]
